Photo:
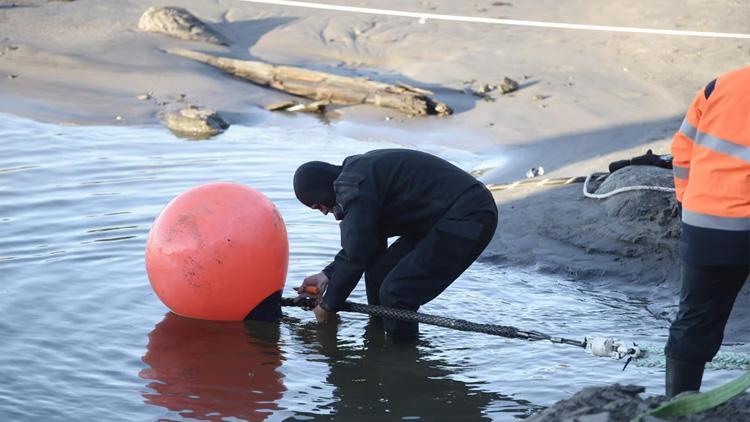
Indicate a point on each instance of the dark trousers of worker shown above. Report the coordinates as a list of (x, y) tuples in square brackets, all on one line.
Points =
[(412, 272), (706, 301)]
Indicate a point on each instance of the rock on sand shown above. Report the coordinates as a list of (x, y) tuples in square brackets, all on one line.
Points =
[(194, 123), (642, 205), (179, 23)]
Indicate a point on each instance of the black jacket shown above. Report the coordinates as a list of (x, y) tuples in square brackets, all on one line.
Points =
[(385, 193)]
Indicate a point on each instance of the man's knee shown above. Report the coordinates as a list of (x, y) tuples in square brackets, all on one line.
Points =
[(375, 275), (696, 334), (395, 328), (706, 301), (690, 350), (390, 296), (401, 330)]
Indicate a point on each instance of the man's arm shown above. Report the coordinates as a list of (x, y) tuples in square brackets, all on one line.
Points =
[(360, 242), (330, 268), (682, 143)]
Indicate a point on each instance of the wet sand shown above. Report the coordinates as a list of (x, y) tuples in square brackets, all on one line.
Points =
[(583, 94)]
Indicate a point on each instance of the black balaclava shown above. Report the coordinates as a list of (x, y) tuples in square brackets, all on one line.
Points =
[(313, 183)]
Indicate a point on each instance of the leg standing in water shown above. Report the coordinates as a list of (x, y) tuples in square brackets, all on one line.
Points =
[(443, 216), (711, 154)]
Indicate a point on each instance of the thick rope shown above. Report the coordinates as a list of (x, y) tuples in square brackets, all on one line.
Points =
[(653, 357), (588, 194), (542, 182), (453, 323), (580, 179), (648, 356)]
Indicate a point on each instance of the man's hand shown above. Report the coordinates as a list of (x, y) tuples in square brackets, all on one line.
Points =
[(321, 314), (312, 287)]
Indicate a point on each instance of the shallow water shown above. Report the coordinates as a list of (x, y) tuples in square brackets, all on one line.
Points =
[(83, 337)]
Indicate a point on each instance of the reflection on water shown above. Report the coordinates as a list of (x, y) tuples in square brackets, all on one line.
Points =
[(213, 370), (209, 370), (395, 380)]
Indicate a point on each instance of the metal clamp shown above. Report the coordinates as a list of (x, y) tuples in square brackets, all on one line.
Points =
[(613, 348)]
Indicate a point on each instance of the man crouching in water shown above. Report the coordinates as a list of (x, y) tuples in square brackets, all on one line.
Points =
[(443, 216)]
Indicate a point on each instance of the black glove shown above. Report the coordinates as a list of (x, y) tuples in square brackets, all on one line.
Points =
[(617, 165), (647, 159), (651, 159)]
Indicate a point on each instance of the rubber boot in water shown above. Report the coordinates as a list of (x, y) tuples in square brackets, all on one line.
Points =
[(401, 331), (683, 376)]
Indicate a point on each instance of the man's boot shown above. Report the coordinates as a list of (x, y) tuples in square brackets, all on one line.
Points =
[(683, 376), (401, 331)]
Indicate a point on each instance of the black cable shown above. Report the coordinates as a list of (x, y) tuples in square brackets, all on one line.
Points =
[(453, 323)]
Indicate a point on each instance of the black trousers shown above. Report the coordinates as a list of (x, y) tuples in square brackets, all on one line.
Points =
[(706, 300), (413, 271)]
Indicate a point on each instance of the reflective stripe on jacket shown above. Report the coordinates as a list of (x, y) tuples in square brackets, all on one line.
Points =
[(711, 154)]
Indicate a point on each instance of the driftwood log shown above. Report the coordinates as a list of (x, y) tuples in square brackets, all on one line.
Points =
[(321, 86)]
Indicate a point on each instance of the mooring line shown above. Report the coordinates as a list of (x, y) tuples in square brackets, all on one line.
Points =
[(423, 17), (642, 355), (544, 182)]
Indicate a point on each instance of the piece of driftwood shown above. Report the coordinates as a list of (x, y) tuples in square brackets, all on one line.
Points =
[(321, 86), (313, 107)]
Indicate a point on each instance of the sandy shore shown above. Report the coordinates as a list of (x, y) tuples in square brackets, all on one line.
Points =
[(84, 62), (586, 98)]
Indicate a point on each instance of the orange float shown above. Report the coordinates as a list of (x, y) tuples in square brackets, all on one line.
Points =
[(217, 251)]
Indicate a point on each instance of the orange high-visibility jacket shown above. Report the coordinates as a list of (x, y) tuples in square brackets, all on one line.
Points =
[(711, 156)]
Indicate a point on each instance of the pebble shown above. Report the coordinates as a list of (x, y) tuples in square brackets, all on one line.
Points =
[(508, 85), (486, 88)]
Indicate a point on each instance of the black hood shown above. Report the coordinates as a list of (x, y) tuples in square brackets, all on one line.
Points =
[(313, 183)]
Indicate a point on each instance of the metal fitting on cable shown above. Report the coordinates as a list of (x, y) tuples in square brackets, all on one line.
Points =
[(613, 348)]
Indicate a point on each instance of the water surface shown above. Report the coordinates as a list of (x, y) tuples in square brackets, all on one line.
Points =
[(83, 337)]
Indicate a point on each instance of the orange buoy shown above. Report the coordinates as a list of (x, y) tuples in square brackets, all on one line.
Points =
[(217, 251)]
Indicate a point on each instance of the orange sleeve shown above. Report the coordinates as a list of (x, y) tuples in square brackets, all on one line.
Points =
[(682, 145)]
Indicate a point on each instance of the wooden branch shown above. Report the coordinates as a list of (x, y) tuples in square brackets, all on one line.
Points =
[(321, 86)]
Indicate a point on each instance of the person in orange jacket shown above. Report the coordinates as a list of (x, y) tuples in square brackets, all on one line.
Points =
[(711, 167)]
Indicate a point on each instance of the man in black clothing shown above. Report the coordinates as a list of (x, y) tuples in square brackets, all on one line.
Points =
[(443, 216)]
